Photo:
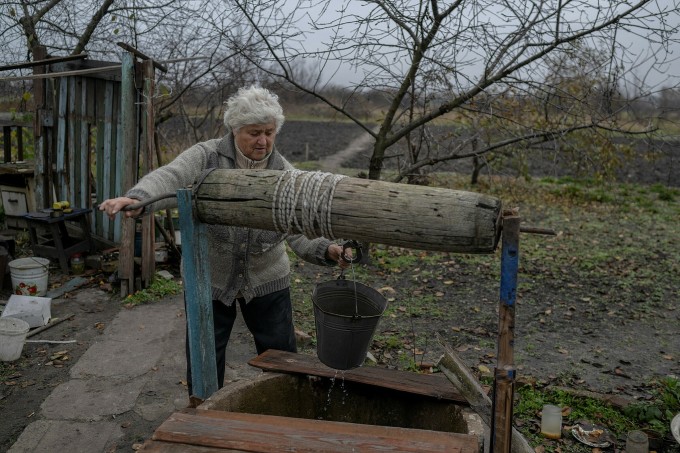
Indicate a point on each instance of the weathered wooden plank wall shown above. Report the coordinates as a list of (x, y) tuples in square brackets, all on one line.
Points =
[(81, 142)]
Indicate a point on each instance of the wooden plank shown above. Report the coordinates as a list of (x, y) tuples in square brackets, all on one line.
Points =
[(72, 149), (39, 143), (70, 285), (128, 174), (432, 385), (273, 434), (109, 151), (153, 446), (43, 62), (117, 159), (148, 225), (462, 378), (198, 294), (83, 196), (62, 141), (93, 112), (418, 217)]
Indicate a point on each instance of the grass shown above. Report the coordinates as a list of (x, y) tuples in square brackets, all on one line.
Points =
[(159, 288)]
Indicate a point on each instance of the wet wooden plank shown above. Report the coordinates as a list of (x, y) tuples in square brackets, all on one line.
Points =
[(153, 446), (271, 434), (433, 385)]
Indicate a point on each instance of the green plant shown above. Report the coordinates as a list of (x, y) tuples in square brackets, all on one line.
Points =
[(159, 288), (658, 412)]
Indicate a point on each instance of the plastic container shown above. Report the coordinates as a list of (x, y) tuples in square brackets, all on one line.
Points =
[(29, 276), (637, 442), (77, 264), (551, 421), (12, 338)]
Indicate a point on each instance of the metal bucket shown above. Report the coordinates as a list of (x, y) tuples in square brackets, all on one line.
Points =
[(346, 315)]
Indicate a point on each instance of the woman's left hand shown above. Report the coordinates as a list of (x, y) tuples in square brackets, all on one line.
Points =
[(334, 253)]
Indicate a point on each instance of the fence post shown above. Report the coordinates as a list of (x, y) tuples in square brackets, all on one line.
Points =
[(504, 382)]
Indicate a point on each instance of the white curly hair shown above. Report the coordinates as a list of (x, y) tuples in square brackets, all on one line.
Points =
[(253, 105)]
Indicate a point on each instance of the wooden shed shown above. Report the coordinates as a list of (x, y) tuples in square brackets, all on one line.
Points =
[(90, 130)]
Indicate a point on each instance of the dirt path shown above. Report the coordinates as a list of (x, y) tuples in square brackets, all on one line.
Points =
[(333, 162)]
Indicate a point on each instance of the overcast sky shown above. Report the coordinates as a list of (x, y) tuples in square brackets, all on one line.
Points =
[(641, 62)]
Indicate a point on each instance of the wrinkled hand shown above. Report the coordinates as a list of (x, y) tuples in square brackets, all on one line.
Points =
[(334, 253), (113, 206)]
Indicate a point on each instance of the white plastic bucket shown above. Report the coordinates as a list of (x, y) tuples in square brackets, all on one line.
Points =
[(12, 338), (29, 276)]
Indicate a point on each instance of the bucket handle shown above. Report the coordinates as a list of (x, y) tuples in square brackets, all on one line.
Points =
[(351, 244)]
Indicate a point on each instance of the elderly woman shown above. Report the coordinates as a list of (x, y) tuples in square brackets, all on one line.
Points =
[(247, 265)]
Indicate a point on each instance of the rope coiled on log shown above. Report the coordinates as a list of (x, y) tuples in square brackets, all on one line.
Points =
[(313, 192)]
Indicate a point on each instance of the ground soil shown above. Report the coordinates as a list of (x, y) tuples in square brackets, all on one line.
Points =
[(562, 337), (27, 382)]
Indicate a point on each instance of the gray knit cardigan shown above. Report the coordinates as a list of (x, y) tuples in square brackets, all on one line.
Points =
[(248, 261)]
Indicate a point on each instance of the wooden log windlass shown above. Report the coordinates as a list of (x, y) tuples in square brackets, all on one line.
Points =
[(418, 217)]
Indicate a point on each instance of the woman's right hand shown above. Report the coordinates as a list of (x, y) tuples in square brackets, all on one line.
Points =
[(113, 206)]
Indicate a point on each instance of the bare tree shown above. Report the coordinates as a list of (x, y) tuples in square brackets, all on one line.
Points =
[(434, 59)]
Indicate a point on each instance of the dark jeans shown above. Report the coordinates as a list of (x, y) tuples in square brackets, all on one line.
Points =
[(269, 318)]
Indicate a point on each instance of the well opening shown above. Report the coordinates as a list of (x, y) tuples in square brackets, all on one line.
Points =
[(320, 398)]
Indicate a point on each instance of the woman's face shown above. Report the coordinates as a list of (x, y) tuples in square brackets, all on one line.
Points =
[(256, 140)]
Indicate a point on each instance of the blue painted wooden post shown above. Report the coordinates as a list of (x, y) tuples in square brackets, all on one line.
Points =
[(198, 295), (501, 427)]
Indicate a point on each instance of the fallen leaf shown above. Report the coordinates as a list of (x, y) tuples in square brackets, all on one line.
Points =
[(483, 369), (448, 282), (562, 351), (539, 449)]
